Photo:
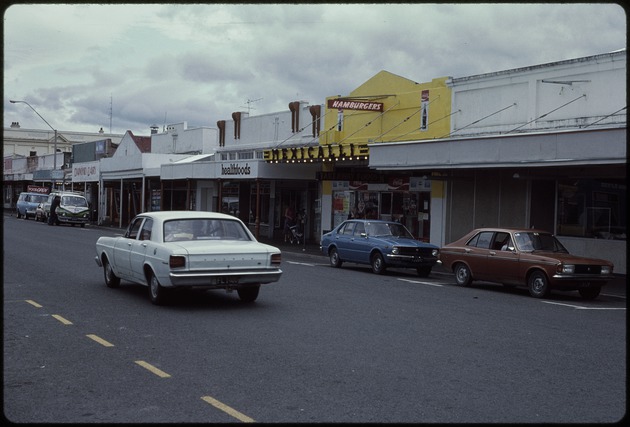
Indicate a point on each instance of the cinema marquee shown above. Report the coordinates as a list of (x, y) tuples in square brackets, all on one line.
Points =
[(330, 152)]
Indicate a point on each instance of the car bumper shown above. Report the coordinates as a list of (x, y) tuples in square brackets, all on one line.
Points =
[(71, 220), (410, 261), (98, 261), (224, 279), (578, 281)]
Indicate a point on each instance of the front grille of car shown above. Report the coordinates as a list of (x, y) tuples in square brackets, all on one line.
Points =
[(588, 269), (424, 252)]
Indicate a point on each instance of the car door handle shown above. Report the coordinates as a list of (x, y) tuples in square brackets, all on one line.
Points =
[(493, 253), (144, 245), (467, 250)]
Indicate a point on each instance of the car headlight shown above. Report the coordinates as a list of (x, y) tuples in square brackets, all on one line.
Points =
[(606, 269), (567, 268), (395, 250)]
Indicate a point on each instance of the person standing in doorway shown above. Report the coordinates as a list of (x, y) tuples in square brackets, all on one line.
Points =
[(289, 220)]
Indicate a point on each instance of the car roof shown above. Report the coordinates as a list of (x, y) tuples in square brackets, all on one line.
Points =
[(509, 230), (164, 215)]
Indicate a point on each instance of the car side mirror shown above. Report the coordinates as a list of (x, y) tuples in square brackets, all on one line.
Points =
[(364, 235)]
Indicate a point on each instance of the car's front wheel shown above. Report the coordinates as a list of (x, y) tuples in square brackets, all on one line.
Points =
[(590, 293), (463, 276), (335, 261), (538, 284), (249, 294), (111, 280), (378, 263), (157, 292)]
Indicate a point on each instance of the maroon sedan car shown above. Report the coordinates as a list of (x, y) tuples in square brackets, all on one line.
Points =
[(524, 257)]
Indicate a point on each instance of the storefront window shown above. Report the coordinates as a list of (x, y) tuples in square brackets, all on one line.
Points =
[(592, 208)]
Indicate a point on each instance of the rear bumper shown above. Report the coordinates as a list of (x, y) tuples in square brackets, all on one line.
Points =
[(224, 279)]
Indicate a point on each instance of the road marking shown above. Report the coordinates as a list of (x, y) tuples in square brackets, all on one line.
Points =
[(100, 340), (421, 283), (153, 369), (33, 303), (581, 307), (301, 263), (62, 320), (230, 411)]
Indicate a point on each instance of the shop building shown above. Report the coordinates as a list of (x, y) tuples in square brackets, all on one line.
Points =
[(541, 146), (130, 182), (30, 158), (237, 180), (385, 109)]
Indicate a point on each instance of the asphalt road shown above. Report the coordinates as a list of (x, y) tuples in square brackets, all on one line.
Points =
[(321, 345)]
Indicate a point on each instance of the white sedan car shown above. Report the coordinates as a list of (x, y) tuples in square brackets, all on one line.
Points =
[(188, 249)]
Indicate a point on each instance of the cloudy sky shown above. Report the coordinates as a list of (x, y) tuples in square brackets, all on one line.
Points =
[(159, 64)]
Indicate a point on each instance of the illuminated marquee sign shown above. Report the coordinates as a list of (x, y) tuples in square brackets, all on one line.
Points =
[(346, 104), (321, 152)]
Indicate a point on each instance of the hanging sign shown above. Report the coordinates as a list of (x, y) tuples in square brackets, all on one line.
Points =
[(347, 104)]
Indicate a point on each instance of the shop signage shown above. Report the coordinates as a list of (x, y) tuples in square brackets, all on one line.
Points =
[(347, 104), (37, 189), (236, 169), (320, 152), (85, 172)]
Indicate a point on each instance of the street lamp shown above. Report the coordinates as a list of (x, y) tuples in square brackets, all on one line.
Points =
[(55, 130)]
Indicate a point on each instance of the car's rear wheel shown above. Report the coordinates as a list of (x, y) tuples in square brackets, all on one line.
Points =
[(249, 294), (378, 263), (424, 271), (111, 280), (463, 276), (335, 261), (538, 284), (157, 292), (590, 293)]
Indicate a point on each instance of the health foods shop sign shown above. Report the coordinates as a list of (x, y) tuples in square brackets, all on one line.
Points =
[(320, 152), (347, 104)]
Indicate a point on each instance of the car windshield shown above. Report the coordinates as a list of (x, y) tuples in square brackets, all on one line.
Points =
[(387, 229), (178, 230), (74, 201), (39, 198), (532, 241)]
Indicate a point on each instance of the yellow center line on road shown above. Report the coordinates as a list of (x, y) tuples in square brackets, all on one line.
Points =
[(62, 320), (230, 411), (33, 303), (153, 369), (100, 340)]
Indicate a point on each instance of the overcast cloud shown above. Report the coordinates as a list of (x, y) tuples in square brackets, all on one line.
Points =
[(159, 64)]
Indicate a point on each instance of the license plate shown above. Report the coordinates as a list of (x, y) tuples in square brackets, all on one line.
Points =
[(226, 280)]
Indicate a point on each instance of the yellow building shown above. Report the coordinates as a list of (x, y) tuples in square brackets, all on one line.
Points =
[(386, 108)]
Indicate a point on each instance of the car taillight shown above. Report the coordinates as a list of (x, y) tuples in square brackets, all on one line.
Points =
[(276, 259), (176, 261)]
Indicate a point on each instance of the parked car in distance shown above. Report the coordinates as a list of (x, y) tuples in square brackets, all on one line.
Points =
[(73, 209), (27, 204), (380, 244), (524, 257), (188, 249)]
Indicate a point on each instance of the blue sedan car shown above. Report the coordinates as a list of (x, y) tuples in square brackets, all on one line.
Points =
[(380, 244)]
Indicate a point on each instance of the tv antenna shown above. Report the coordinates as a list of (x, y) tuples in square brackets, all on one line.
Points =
[(249, 104)]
